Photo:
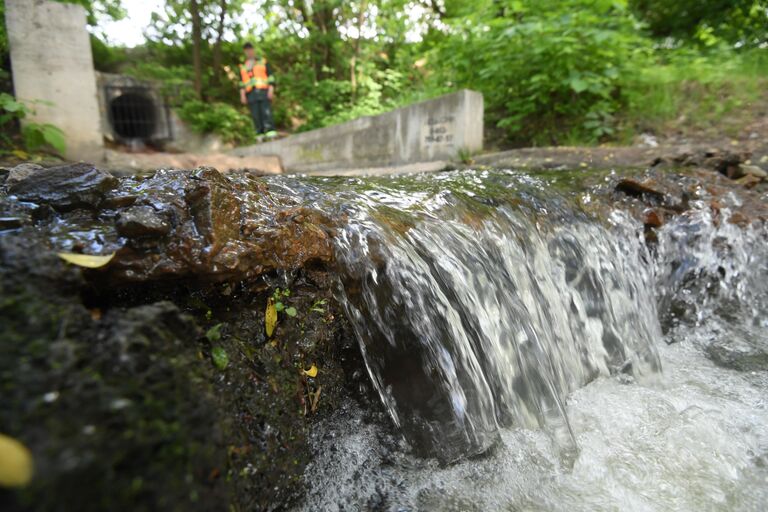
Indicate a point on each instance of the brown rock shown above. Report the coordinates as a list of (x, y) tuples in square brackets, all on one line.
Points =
[(753, 170), (739, 219), (142, 221), (636, 189), (652, 218), (749, 181), (205, 225)]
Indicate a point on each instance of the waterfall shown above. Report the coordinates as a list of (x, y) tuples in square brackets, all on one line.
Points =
[(481, 301), (532, 316)]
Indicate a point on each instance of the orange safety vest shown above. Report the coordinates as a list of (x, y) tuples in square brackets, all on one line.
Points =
[(256, 77)]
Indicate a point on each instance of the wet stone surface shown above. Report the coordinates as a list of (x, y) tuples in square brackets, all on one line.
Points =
[(63, 188), (150, 384), (142, 221)]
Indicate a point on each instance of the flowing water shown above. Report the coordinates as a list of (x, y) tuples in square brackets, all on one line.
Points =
[(531, 351)]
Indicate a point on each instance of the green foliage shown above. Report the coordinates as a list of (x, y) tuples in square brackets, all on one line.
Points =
[(552, 71), (175, 80), (707, 22), (548, 69), (318, 306), (36, 136), (220, 357), (278, 296), (39, 136), (222, 119), (214, 333), (99, 9), (106, 58), (685, 90)]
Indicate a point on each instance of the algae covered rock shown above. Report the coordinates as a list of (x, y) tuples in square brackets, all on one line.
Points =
[(112, 377)]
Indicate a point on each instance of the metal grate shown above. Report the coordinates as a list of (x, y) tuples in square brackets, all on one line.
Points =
[(137, 112)]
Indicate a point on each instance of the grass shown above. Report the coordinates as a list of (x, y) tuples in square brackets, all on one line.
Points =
[(687, 93)]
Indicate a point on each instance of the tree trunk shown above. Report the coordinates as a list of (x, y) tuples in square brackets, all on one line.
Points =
[(356, 55), (197, 41), (217, 58)]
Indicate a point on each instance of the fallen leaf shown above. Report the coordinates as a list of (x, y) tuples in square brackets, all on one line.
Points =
[(86, 260), (312, 372), (270, 317), (15, 463)]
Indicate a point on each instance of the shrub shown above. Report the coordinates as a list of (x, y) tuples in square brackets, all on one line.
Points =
[(223, 119), (548, 69)]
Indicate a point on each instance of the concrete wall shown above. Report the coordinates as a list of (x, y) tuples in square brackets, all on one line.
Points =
[(53, 67), (423, 132)]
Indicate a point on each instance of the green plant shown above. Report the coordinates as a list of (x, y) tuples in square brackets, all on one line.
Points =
[(548, 69), (220, 118), (318, 306), (720, 91), (278, 296), (36, 136), (465, 156)]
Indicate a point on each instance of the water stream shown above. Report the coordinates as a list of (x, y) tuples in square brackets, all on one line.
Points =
[(532, 353)]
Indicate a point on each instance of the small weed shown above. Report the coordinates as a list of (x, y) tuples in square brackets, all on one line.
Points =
[(317, 306)]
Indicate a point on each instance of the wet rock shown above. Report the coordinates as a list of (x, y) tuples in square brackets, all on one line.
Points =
[(739, 353), (64, 188), (142, 221), (10, 223), (752, 170), (214, 208), (749, 181), (215, 228), (118, 201), (637, 189), (724, 162), (739, 219), (652, 218), (21, 172), (114, 391)]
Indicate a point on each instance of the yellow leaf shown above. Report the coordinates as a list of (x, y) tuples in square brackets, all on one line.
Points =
[(86, 260), (270, 317), (312, 372), (15, 463), (20, 154)]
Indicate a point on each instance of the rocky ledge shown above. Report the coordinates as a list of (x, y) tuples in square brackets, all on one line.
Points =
[(150, 383), (185, 368)]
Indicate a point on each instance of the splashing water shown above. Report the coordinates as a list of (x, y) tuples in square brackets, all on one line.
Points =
[(497, 318)]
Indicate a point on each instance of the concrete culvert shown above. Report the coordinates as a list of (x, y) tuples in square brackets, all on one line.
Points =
[(133, 115)]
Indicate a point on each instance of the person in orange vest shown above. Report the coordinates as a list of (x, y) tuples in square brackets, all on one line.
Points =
[(257, 89)]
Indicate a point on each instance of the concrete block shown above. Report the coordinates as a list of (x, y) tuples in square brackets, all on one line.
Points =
[(53, 71), (429, 131)]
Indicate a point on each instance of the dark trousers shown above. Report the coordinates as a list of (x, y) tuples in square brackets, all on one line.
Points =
[(261, 111)]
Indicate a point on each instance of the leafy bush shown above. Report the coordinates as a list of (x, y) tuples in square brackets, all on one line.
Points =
[(40, 136), (548, 69), (222, 119), (36, 136)]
